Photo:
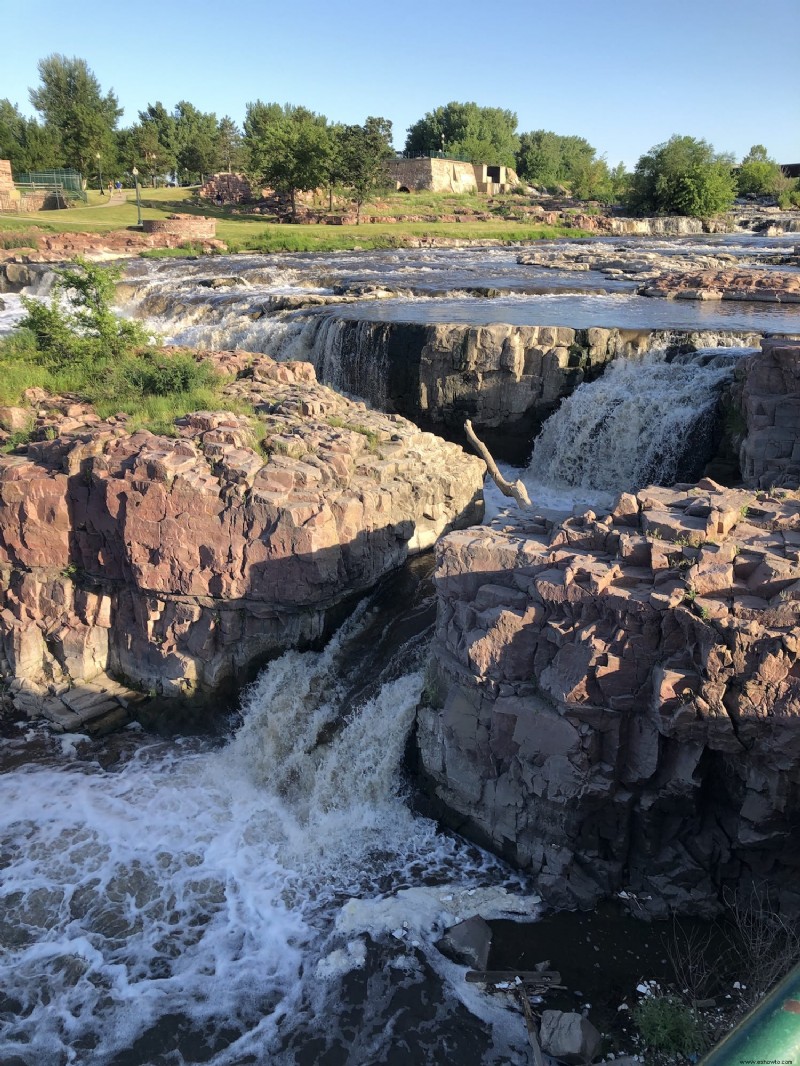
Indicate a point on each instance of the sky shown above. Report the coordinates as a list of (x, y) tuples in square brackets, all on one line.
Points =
[(624, 74)]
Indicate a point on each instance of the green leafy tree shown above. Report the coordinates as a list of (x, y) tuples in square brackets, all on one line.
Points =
[(759, 175), (549, 159), (26, 143), (364, 152), (258, 119), (480, 134), (683, 176), (294, 153), (161, 137), (196, 140), (73, 106)]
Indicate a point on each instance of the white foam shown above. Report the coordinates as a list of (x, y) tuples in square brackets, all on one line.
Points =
[(226, 886)]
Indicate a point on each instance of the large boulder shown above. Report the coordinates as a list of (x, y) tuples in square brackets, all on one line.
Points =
[(768, 393), (174, 564), (568, 1036)]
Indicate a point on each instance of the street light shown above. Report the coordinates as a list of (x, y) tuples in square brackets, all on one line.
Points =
[(151, 162), (98, 157), (135, 173)]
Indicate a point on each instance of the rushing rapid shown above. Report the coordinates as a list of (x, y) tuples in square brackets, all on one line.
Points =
[(645, 421), (268, 899)]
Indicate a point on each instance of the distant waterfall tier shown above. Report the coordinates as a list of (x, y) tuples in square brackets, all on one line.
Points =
[(648, 420)]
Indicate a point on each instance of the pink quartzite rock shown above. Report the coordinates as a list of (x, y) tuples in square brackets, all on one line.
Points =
[(173, 563), (618, 698)]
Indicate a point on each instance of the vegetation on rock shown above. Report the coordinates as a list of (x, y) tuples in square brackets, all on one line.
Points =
[(76, 345)]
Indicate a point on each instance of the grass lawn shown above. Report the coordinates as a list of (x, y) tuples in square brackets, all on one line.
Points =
[(244, 232)]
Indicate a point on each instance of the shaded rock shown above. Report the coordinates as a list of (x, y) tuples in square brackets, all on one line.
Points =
[(626, 714), (468, 943), (568, 1036)]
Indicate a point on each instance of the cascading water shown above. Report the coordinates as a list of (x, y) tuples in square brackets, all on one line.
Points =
[(271, 900), (647, 420)]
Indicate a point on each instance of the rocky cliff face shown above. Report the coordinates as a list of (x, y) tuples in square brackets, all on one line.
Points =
[(614, 703), (174, 564), (507, 379), (767, 392)]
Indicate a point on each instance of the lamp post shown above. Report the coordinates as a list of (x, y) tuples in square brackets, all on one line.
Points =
[(135, 173), (151, 163), (98, 157)]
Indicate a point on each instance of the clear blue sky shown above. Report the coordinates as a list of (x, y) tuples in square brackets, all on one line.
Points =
[(625, 74)]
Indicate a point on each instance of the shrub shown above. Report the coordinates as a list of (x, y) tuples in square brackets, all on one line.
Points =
[(155, 374), (78, 325), (667, 1025)]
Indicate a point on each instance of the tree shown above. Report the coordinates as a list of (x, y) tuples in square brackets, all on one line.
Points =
[(196, 140), (365, 151), (547, 158), (759, 175), (25, 142), (156, 119), (480, 134), (258, 119), (683, 176), (293, 154), (229, 144), (75, 109)]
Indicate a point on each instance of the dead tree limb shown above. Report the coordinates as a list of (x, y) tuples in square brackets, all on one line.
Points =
[(530, 1025), (516, 490)]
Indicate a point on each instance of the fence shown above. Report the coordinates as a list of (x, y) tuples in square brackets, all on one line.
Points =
[(66, 182)]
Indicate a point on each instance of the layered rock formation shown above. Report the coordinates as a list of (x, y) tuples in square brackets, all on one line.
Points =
[(767, 392), (761, 286), (507, 379), (614, 703), (172, 565)]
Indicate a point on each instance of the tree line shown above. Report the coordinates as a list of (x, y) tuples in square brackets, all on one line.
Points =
[(293, 149)]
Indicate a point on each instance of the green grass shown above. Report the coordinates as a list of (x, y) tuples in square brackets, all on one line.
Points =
[(255, 233), (108, 389)]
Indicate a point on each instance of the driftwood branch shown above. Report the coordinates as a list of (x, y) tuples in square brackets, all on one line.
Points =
[(516, 490), (530, 1025)]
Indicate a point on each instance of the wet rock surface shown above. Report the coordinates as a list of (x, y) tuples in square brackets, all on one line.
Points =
[(614, 702), (767, 286), (172, 565)]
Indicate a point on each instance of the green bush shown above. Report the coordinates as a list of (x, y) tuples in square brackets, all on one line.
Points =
[(78, 326), (667, 1025), (155, 374)]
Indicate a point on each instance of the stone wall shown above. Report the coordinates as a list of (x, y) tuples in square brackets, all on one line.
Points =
[(439, 175), (233, 188), (451, 175), (9, 194), (192, 227)]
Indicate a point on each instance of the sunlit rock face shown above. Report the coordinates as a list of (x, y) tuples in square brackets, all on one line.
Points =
[(173, 564)]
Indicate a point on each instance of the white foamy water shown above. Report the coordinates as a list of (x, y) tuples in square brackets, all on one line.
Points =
[(11, 312), (633, 426), (237, 904)]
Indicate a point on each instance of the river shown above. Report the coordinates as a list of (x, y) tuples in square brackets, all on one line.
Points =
[(261, 890)]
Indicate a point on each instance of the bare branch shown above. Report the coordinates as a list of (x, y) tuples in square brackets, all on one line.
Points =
[(516, 490)]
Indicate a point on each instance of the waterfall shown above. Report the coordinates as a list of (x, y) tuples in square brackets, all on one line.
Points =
[(199, 902), (647, 420)]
